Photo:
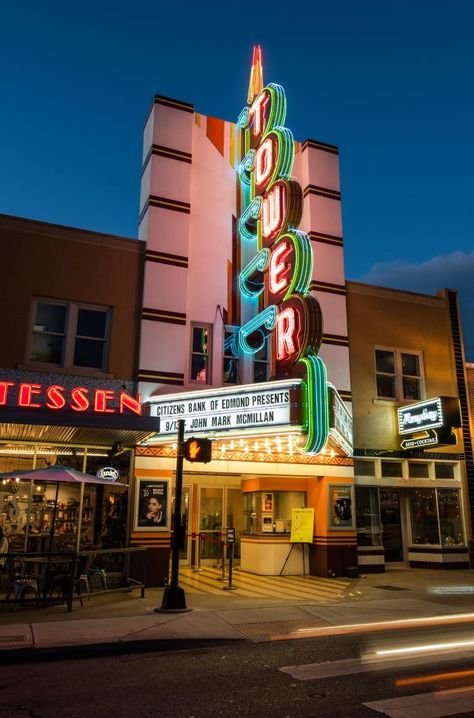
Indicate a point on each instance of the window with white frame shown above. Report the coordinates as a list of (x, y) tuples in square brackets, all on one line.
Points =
[(230, 363), (261, 364), (200, 353), (68, 334), (398, 374)]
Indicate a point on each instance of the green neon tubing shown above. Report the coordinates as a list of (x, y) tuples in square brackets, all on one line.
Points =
[(258, 264), (286, 155), (317, 404), (277, 114), (263, 322), (303, 269)]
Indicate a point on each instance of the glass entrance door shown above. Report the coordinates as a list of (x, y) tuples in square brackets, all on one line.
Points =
[(211, 504), (184, 530), (235, 516), (390, 517)]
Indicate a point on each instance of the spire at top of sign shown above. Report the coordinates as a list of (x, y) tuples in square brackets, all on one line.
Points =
[(256, 74)]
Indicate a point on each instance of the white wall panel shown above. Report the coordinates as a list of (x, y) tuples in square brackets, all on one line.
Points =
[(325, 215), (328, 263), (171, 178), (323, 168), (168, 231), (161, 346), (336, 359), (333, 307), (172, 128), (165, 287)]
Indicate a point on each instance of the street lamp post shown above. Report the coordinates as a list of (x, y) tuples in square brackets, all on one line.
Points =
[(174, 599)]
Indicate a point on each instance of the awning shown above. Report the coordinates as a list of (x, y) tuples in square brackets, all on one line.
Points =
[(66, 428)]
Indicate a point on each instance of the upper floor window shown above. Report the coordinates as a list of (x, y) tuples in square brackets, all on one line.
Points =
[(398, 374), (67, 334), (200, 353), (261, 364), (230, 363)]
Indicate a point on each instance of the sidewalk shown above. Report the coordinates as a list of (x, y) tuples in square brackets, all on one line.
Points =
[(125, 623)]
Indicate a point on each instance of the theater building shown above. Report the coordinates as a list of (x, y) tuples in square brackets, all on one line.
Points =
[(232, 312), (244, 334), (412, 447)]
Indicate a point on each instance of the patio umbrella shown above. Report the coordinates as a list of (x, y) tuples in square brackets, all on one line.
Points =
[(59, 474)]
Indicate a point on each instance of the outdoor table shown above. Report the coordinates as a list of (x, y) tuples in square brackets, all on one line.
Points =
[(42, 563)]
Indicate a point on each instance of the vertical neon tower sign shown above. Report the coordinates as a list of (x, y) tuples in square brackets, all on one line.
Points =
[(275, 281)]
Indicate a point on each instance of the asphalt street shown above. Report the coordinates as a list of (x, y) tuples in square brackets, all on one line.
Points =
[(246, 679)]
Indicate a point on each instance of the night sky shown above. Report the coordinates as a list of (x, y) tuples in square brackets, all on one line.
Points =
[(389, 82)]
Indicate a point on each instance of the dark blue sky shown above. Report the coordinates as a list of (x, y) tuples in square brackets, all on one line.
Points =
[(389, 82)]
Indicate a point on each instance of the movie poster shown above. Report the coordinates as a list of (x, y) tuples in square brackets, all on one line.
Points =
[(152, 505), (340, 507)]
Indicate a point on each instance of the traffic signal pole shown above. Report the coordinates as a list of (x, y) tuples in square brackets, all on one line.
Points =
[(174, 599)]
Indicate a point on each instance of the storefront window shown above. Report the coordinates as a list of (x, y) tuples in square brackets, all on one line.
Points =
[(104, 515), (364, 468), (444, 471), (271, 511), (418, 470), (392, 469), (368, 517), (424, 517), (450, 517), (42, 516)]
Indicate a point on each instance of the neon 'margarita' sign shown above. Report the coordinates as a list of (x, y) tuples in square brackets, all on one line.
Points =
[(277, 255)]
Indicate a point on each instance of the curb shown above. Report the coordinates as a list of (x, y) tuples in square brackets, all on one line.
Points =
[(120, 647)]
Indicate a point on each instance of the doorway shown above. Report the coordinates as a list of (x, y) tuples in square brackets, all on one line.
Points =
[(391, 520)]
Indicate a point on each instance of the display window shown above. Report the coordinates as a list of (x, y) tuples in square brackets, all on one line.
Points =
[(39, 516), (436, 517), (270, 512), (369, 531)]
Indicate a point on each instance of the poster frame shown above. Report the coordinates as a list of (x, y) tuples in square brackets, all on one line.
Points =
[(151, 483), (348, 489)]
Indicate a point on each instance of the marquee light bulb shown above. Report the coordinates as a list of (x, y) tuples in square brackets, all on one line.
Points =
[(255, 446)]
